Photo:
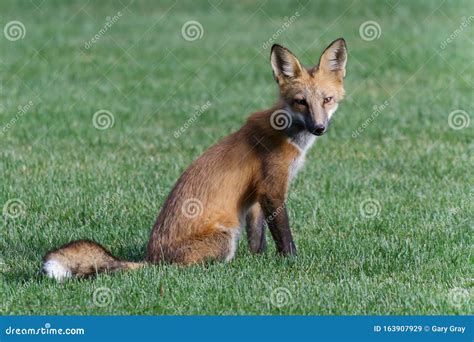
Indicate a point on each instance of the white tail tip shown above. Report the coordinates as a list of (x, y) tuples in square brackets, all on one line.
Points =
[(54, 269)]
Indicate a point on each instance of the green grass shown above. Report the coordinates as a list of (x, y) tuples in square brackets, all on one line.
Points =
[(414, 257)]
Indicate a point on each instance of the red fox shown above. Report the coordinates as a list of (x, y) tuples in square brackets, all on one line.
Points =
[(240, 181)]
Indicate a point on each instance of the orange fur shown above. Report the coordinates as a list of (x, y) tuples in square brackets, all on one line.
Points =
[(242, 179)]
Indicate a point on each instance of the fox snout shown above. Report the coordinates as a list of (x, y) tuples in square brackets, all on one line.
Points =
[(319, 130), (315, 128)]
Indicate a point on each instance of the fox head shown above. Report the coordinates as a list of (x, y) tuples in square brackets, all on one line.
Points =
[(311, 95)]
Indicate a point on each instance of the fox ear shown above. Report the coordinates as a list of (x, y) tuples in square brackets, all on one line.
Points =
[(284, 63), (334, 58)]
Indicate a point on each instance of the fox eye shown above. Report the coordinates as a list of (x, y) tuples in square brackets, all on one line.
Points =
[(327, 99), (301, 102)]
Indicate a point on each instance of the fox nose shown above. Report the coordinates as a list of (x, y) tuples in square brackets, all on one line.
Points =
[(319, 129)]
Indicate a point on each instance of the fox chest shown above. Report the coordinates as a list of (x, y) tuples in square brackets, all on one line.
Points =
[(302, 143), (295, 166)]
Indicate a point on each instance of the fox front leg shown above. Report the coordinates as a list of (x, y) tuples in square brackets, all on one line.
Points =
[(276, 217), (255, 226)]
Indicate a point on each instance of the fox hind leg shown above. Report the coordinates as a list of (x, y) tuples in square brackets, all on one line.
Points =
[(218, 245)]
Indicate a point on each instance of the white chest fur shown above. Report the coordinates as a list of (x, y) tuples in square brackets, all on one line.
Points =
[(303, 143)]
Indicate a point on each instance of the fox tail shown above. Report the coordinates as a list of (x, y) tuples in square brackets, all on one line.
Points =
[(83, 258)]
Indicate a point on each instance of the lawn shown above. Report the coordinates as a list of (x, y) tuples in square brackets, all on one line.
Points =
[(381, 212)]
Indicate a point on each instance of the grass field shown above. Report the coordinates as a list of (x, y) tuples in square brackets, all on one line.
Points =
[(381, 212)]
